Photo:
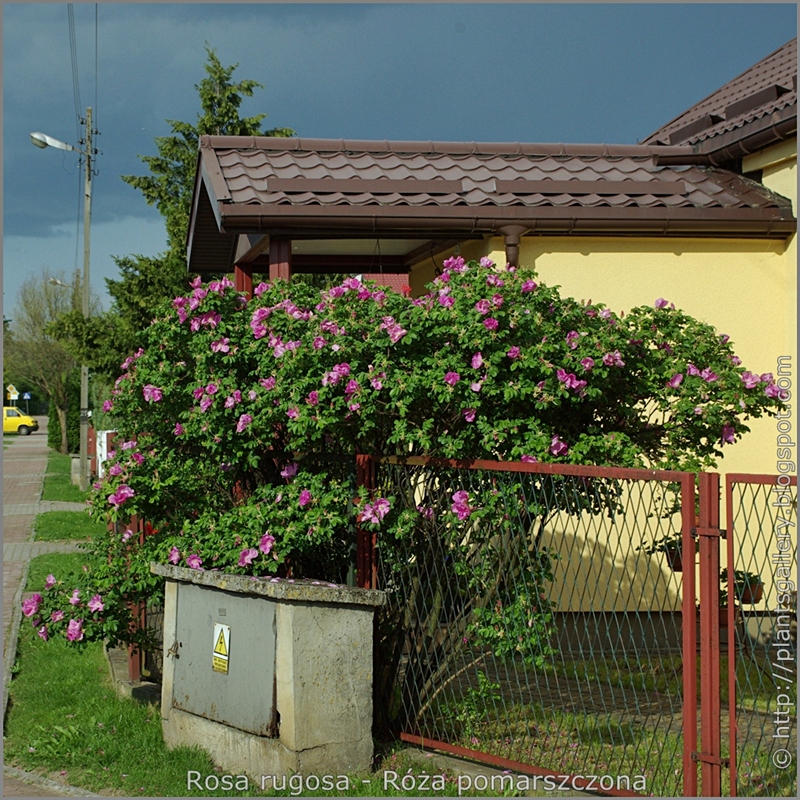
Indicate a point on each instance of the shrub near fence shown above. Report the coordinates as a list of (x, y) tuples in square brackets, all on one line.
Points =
[(214, 411)]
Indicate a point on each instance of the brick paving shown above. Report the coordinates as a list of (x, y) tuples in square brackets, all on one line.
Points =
[(24, 467)]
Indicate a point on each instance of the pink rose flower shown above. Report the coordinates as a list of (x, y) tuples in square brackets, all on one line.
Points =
[(31, 605), (123, 493), (193, 561), (675, 381), (96, 603), (247, 556), (728, 434), (75, 630), (461, 505)]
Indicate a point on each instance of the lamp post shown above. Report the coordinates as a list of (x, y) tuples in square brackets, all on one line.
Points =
[(42, 140)]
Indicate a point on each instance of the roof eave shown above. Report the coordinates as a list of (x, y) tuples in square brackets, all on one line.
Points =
[(372, 220), (751, 137)]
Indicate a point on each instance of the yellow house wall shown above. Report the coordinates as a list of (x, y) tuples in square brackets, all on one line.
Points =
[(745, 288), (779, 167)]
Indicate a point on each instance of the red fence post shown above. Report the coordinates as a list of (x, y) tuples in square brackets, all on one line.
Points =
[(135, 654), (689, 614), (708, 531), (366, 541)]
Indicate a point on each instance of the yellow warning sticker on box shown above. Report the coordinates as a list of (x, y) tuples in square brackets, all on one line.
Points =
[(222, 647)]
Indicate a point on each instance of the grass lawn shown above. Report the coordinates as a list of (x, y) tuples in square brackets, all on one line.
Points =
[(54, 526), (58, 480), (66, 722), (62, 565)]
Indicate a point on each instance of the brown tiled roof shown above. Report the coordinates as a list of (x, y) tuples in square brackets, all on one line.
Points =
[(294, 187), (754, 110)]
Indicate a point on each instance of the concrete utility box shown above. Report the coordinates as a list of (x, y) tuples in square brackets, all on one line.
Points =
[(270, 676)]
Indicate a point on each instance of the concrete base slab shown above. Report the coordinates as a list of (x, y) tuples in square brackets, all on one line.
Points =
[(239, 752)]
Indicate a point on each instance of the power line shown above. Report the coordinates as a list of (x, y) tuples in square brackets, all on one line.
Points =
[(96, 117), (73, 51)]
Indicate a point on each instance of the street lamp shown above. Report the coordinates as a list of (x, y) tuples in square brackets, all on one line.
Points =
[(43, 140)]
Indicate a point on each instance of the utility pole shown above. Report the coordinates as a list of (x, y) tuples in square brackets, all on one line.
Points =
[(87, 218)]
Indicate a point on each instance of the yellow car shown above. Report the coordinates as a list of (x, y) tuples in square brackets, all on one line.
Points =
[(14, 421)]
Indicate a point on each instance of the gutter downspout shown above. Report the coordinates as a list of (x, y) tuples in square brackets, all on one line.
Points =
[(511, 235)]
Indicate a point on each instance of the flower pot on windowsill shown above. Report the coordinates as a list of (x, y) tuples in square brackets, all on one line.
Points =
[(675, 559), (750, 593), (674, 556)]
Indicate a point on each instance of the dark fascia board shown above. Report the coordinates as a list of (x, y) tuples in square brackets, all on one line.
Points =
[(197, 199), (250, 217)]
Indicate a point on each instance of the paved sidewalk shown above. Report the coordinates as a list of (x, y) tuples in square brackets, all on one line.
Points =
[(24, 467)]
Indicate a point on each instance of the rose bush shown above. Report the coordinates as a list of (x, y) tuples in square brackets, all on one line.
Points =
[(239, 419)]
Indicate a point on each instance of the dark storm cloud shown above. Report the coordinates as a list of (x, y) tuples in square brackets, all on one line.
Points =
[(484, 72)]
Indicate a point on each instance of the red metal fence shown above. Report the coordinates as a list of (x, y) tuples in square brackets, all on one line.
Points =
[(549, 636), (761, 674)]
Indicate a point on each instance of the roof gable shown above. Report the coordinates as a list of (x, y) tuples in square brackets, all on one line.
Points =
[(754, 110)]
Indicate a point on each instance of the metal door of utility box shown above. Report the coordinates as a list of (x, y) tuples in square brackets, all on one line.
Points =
[(243, 698)]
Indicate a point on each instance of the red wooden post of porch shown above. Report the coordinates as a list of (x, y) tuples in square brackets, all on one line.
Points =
[(708, 531), (243, 278), (280, 259)]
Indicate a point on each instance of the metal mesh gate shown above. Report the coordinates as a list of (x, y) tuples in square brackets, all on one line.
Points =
[(535, 617), (762, 655)]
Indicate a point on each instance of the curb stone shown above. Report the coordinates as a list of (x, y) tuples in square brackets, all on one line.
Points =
[(10, 654), (45, 783)]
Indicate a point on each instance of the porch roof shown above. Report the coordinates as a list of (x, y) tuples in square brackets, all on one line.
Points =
[(430, 194)]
